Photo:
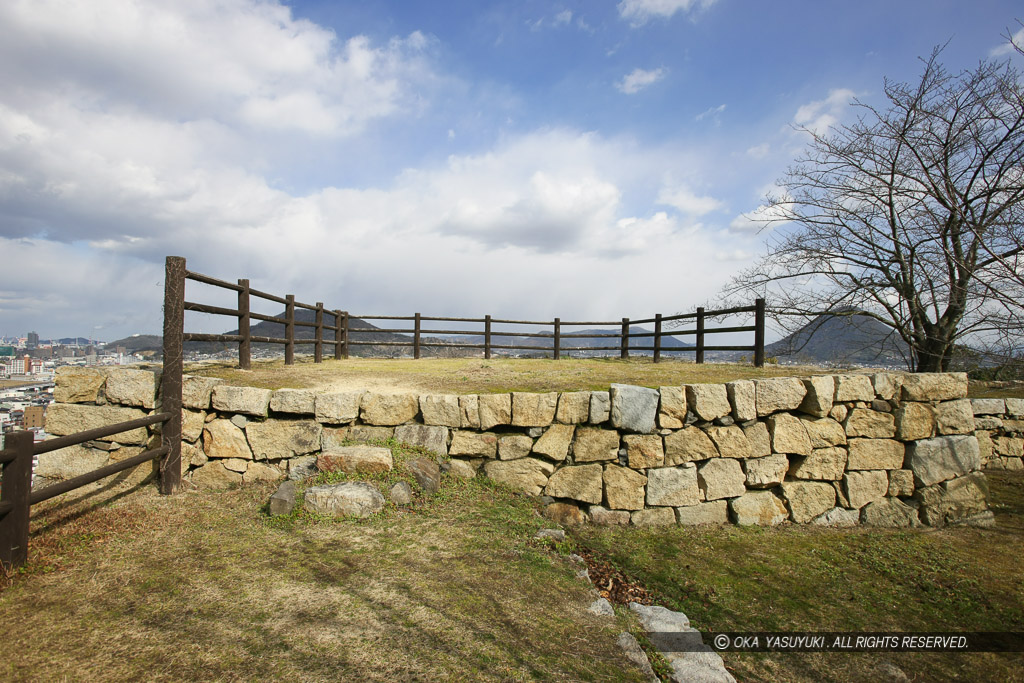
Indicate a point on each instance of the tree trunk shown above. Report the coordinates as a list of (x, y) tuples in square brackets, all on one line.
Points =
[(933, 353)]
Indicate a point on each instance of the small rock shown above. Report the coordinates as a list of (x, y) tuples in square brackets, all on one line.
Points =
[(602, 608), (636, 654), (283, 500), (565, 514), (400, 493), (427, 474), (556, 535)]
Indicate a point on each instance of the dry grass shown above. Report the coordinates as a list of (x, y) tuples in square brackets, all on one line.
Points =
[(204, 586), (497, 375)]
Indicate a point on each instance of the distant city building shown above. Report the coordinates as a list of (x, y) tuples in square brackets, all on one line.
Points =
[(32, 340)]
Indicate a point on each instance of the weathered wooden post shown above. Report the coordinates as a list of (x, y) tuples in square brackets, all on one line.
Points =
[(289, 330), (624, 349), (416, 337), (558, 338), (318, 347), (700, 334), (657, 337), (16, 467), (344, 334), (338, 351), (759, 333), (244, 345), (171, 377), (487, 336)]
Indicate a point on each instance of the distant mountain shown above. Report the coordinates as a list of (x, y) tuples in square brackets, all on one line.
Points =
[(356, 329), (137, 342), (849, 339)]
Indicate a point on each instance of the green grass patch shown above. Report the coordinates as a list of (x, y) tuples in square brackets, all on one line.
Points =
[(811, 579)]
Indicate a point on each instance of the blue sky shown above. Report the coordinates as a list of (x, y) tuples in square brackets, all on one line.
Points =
[(575, 159)]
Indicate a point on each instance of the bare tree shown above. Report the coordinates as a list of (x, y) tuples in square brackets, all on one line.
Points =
[(912, 216)]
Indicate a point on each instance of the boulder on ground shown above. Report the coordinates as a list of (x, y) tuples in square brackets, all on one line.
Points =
[(348, 499), (283, 500), (426, 472)]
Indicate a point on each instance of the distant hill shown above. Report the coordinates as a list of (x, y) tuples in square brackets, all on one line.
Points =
[(277, 330), (849, 339), (153, 342), (137, 342)]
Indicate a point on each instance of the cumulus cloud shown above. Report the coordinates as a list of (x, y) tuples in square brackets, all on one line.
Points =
[(689, 203), (638, 79), (639, 12), (820, 115), (127, 135), (233, 61)]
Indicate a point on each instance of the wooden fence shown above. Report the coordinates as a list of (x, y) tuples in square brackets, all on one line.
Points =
[(17, 496), (343, 337)]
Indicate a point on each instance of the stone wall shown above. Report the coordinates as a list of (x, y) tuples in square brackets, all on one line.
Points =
[(999, 425), (883, 449)]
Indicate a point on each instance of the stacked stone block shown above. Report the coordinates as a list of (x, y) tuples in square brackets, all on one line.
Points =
[(1000, 431), (883, 449)]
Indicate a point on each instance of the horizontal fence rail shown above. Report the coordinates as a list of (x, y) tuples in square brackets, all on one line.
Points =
[(332, 327), (17, 496)]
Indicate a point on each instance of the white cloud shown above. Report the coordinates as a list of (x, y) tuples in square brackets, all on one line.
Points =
[(764, 217), (759, 151), (1007, 47), (130, 132), (563, 18), (233, 61), (688, 203), (820, 115), (639, 12), (713, 112), (638, 79)]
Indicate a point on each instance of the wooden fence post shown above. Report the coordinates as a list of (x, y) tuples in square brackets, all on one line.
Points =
[(657, 337), (289, 330), (487, 337), (344, 334), (700, 334), (337, 335), (624, 351), (245, 345), (318, 347), (416, 337), (17, 485), (170, 378), (759, 333), (558, 338)]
